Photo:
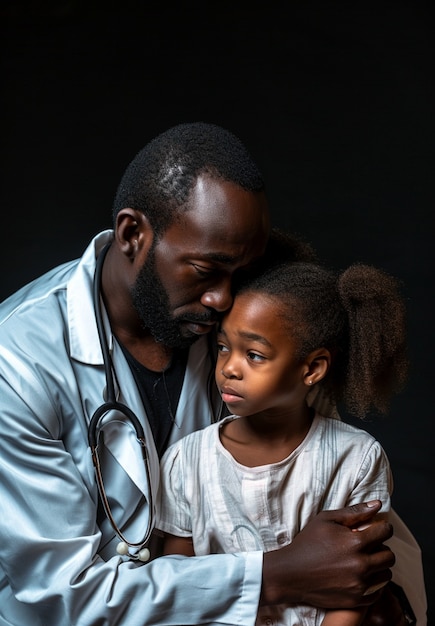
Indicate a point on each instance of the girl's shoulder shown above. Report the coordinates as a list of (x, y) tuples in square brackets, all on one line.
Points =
[(342, 429)]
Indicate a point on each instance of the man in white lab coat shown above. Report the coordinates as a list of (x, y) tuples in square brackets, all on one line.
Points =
[(189, 213)]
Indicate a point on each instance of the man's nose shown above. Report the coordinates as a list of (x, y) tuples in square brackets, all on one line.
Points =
[(218, 297)]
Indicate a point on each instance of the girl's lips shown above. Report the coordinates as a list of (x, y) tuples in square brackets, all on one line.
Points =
[(230, 396), (229, 399)]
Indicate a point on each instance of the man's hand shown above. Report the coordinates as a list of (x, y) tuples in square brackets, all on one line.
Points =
[(329, 564)]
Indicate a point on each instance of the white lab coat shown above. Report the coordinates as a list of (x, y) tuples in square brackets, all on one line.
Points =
[(58, 566), (58, 561)]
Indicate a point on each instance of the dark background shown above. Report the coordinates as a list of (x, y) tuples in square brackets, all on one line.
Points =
[(334, 100)]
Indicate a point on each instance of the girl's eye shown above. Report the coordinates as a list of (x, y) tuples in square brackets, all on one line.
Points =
[(222, 348), (253, 356)]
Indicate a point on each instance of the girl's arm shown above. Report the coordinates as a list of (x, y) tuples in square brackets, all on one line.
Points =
[(345, 617), (177, 545)]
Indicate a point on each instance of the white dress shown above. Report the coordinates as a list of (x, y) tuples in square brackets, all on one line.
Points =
[(227, 507)]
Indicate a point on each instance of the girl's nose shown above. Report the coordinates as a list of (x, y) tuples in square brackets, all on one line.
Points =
[(231, 370)]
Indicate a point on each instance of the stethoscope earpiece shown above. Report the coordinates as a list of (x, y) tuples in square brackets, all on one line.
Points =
[(144, 555), (122, 548)]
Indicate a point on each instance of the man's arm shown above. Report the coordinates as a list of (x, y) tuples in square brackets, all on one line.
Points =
[(332, 566), (385, 611), (328, 565)]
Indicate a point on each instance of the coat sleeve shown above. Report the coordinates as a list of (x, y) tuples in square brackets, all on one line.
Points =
[(408, 569), (51, 571)]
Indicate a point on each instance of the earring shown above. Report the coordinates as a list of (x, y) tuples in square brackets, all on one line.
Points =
[(310, 382)]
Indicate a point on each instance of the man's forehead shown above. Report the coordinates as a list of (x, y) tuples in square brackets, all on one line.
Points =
[(223, 224), (212, 198)]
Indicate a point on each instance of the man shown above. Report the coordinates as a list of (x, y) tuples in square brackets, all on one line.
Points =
[(190, 212)]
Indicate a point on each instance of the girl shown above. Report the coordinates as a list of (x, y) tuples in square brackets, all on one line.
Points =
[(252, 481)]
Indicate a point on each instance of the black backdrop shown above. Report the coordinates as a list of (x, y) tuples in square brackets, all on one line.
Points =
[(335, 101)]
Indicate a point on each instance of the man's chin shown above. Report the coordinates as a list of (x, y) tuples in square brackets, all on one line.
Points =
[(182, 334), (184, 339)]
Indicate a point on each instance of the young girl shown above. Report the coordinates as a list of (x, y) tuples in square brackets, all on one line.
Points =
[(252, 481)]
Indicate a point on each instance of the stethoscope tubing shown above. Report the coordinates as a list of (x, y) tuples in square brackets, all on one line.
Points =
[(113, 405)]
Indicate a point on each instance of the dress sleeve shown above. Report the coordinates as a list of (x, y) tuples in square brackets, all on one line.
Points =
[(174, 515), (374, 478)]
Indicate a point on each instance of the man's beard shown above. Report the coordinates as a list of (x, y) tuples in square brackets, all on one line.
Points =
[(152, 305)]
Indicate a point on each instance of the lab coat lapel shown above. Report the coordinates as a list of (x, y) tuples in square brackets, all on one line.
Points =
[(85, 348)]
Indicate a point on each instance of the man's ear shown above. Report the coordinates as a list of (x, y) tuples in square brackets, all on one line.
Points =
[(316, 366), (133, 233)]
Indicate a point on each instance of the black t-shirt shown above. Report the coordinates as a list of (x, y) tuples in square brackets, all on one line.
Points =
[(160, 393)]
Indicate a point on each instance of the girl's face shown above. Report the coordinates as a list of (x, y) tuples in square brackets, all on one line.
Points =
[(257, 370)]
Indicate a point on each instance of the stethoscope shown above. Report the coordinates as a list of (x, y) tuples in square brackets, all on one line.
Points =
[(141, 552)]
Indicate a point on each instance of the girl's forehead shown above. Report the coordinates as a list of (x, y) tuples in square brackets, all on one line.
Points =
[(257, 310), (261, 319), (254, 299)]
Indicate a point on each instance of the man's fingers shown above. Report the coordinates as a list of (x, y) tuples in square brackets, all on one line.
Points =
[(374, 588), (374, 535), (355, 515)]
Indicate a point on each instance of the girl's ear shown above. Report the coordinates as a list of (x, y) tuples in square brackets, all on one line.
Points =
[(316, 366)]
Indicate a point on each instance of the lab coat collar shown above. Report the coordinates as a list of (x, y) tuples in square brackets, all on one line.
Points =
[(84, 343)]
